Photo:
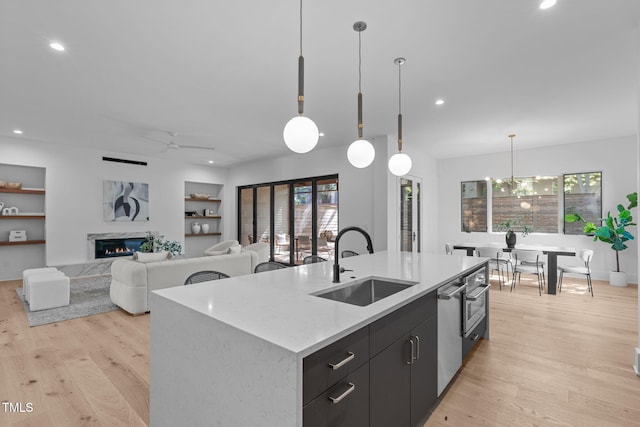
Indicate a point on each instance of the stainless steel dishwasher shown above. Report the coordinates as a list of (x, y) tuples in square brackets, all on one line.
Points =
[(449, 331)]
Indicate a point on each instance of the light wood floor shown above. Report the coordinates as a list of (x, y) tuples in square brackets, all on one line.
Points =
[(552, 361)]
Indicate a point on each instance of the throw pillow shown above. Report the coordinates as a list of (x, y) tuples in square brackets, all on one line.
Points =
[(235, 249), (151, 256)]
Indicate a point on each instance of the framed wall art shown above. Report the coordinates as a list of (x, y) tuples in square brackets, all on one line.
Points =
[(125, 201)]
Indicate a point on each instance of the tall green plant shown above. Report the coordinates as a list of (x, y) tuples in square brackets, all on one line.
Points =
[(613, 229)]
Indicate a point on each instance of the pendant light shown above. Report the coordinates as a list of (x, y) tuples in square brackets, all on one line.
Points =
[(300, 133), (512, 180), (400, 163), (361, 152)]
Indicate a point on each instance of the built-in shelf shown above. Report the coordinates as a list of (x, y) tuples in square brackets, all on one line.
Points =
[(191, 199), (22, 191), (27, 242), (202, 216), (37, 216), (203, 234)]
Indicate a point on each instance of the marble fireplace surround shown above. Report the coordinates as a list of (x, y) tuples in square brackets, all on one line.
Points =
[(92, 237), (93, 266)]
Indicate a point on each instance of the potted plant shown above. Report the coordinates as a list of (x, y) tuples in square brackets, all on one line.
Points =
[(509, 225), (613, 231), (156, 243)]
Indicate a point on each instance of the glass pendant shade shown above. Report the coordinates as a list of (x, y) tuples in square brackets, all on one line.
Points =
[(301, 134), (400, 164), (361, 153)]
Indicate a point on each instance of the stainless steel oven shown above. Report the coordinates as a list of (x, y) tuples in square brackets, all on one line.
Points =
[(474, 300)]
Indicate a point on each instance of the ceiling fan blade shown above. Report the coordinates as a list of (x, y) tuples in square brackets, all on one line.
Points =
[(197, 147)]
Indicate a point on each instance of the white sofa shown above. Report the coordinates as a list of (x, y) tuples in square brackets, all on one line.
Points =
[(132, 281)]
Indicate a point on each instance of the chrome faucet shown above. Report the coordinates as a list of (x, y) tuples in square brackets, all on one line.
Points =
[(336, 267)]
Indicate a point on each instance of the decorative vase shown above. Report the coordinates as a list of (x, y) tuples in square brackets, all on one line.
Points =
[(618, 278), (205, 228), (510, 239), (195, 228)]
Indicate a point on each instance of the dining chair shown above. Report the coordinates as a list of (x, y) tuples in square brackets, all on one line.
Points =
[(585, 255), (269, 266), (532, 265), (496, 262), (448, 248), (205, 276), (347, 253), (312, 259)]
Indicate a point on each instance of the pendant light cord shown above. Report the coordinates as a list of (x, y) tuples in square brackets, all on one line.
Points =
[(300, 71), (300, 27), (360, 124), (400, 61)]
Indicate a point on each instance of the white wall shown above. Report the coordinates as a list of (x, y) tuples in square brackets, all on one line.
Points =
[(616, 158), (74, 179), (362, 197)]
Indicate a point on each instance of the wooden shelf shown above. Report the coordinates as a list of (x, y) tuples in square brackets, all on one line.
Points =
[(21, 191), (21, 216), (191, 199), (28, 242), (203, 217), (203, 234)]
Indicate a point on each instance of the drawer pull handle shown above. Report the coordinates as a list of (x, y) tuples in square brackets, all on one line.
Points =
[(346, 360), (347, 392)]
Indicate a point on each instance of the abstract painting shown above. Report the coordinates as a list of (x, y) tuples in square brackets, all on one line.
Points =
[(125, 201)]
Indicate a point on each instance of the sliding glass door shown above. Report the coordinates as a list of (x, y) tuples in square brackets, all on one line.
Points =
[(298, 218)]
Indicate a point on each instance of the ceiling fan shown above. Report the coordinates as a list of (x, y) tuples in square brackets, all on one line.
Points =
[(172, 145)]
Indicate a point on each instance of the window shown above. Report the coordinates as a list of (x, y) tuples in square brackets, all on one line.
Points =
[(474, 206), (583, 195), (531, 201)]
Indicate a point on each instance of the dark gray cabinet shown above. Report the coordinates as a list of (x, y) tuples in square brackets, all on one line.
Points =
[(403, 375), (384, 374)]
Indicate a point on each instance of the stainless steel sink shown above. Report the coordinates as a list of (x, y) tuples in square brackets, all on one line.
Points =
[(365, 292)]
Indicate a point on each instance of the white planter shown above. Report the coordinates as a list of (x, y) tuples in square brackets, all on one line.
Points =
[(618, 278)]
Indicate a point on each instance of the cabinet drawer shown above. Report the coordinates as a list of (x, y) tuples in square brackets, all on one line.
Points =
[(473, 338), (328, 365), (386, 331), (351, 408)]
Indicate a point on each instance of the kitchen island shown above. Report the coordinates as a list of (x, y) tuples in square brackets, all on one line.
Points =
[(232, 352)]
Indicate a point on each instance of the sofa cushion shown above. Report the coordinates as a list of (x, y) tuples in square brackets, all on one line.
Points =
[(235, 249), (151, 256)]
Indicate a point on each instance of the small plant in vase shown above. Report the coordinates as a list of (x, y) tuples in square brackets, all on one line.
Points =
[(612, 231), (510, 226)]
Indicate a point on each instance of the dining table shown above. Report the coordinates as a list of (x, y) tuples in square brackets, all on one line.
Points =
[(552, 252)]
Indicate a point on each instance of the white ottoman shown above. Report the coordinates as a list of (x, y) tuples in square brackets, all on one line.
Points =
[(48, 291), (28, 274)]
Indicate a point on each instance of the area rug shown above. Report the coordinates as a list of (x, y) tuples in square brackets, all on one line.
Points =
[(88, 295)]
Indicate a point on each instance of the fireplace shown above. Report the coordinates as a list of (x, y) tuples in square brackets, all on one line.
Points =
[(117, 247)]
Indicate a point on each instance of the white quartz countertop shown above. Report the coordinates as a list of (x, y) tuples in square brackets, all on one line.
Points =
[(279, 306)]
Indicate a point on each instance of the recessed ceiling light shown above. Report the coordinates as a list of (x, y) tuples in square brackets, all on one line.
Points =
[(210, 162), (321, 134), (546, 4), (439, 101), (17, 131), (57, 46)]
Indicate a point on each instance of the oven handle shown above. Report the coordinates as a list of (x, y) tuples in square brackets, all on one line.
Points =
[(477, 293), (452, 293)]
